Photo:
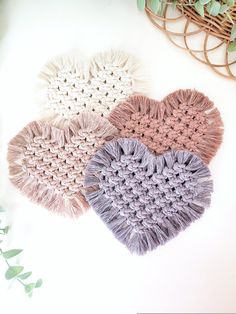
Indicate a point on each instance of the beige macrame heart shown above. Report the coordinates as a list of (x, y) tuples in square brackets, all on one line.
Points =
[(69, 87), (47, 163)]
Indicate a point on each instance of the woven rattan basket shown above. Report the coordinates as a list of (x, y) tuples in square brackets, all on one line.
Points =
[(205, 38)]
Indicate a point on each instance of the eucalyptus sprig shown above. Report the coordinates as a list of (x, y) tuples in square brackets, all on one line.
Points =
[(212, 7), (14, 271)]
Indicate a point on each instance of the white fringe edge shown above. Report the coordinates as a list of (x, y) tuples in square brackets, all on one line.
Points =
[(86, 70), (123, 61)]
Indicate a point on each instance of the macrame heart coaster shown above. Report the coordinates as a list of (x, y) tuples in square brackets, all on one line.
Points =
[(184, 120), (144, 199), (69, 87), (47, 164)]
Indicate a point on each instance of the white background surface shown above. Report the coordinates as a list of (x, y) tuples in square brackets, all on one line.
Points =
[(85, 270)]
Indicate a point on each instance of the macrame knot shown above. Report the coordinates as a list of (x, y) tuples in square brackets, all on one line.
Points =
[(69, 87), (47, 163), (144, 199), (184, 120)]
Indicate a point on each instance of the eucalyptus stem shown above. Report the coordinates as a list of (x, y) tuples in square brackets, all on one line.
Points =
[(8, 264), (15, 272)]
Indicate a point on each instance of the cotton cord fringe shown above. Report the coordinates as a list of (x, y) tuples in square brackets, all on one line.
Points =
[(68, 87), (144, 199), (47, 163), (184, 120), (72, 159)]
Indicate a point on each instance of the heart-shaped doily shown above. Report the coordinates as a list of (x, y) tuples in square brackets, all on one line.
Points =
[(184, 120), (145, 199), (70, 87), (47, 164)]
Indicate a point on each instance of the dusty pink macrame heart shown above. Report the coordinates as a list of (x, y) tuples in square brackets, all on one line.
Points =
[(47, 163), (184, 120)]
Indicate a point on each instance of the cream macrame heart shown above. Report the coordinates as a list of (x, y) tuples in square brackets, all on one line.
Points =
[(70, 87), (145, 199), (47, 163)]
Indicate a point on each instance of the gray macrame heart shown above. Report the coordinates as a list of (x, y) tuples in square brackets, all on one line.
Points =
[(144, 199)]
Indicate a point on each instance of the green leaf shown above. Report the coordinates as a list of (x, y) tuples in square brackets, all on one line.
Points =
[(199, 8), (232, 47), (11, 253), (204, 1), (25, 275), (230, 2), (233, 33), (13, 271), (6, 229), (174, 4), (141, 4), (30, 287), (38, 283), (223, 8), (213, 8), (155, 6)]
